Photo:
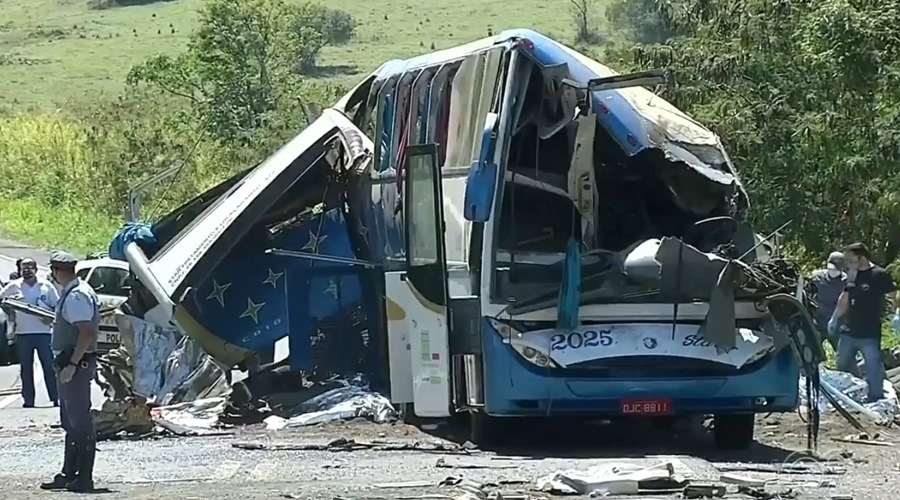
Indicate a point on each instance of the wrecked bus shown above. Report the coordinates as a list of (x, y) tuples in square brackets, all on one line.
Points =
[(506, 228), (575, 245)]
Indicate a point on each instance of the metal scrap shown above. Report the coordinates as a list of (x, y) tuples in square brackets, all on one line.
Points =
[(443, 464), (128, 416), (704, 490), (343, 445), (762, 494), (792, 468)]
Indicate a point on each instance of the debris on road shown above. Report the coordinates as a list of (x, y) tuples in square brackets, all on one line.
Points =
[(851, 391), (162, 381), (343, 444), (613, 479), (343, 403), (443, 464), (704, 490), (154, 367)]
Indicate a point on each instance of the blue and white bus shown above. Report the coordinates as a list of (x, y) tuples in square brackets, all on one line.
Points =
[(542, 237), (520, 157)]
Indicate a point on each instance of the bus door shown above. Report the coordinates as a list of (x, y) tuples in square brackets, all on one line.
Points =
[(417, 296)]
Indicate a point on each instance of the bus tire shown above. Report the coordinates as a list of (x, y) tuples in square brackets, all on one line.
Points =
[(489, 431), (734, 432)]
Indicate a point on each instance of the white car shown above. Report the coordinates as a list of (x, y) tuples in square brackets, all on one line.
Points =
[(110, 279)]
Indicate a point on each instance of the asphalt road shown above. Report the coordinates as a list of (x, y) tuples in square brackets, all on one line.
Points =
[(211, 467)]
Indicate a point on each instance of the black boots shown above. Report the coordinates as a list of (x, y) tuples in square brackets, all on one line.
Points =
[(78, 467), (84, 479), (70, 466)]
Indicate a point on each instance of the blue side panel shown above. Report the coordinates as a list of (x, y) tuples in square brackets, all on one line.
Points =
[(244, 301), (482, 179), (254, 299)]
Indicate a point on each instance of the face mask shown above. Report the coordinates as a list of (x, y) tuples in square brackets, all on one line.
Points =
[(834, 273)]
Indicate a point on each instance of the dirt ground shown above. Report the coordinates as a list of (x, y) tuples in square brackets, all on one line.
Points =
[(409, 462)]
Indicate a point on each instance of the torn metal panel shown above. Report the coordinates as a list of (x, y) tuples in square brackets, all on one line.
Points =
[(658, 124), (230, 236), (202, 245), (721, 319), (711, 278), (581, 178)]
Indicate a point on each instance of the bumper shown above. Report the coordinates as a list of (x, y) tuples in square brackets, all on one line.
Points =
[(514, 387)]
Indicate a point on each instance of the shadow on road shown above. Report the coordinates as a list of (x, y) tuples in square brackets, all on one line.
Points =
[(566, 438)]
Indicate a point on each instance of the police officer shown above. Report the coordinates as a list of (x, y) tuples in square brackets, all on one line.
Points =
[(74, 343)]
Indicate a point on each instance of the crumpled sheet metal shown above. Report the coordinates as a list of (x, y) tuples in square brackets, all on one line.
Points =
[(129, 416), (342, 403), (170, 368), (855, 389), (156, 365), (199, 415), (688, 271), (613, 479)]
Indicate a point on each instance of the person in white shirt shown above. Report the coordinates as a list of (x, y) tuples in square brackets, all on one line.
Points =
[(33, 332)]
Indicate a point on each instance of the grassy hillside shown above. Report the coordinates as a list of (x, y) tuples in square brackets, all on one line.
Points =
[(52, 51)]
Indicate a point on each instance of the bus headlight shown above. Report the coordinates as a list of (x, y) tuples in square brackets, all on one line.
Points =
[(533, 355), (506, 332), (514, 339)]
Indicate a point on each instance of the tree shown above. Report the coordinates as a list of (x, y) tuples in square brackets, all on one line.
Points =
[(581, 10), (805, 95), (640, 19), (313, 27), (240, 69)]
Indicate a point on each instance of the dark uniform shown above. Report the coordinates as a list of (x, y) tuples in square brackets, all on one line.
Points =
[(78, 303)]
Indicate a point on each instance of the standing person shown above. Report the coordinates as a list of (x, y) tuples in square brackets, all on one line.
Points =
[(863, 303), (33, 332), (74, 343), (830, 283)]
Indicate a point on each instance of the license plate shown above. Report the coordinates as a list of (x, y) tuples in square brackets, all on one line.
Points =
[(111, 338), (656, 406)]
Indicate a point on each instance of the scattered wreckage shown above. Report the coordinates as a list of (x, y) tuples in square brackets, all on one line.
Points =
[(506, 228)]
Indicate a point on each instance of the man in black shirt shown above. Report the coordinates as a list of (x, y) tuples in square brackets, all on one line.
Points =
[(864, 304)]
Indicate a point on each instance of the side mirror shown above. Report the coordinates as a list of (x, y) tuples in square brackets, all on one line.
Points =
[(482, 180)]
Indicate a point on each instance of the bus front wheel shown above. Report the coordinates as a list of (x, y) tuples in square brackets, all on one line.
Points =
[(733, 432)]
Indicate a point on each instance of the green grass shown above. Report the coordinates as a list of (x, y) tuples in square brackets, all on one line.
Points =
[(52, 51), (30, 221)]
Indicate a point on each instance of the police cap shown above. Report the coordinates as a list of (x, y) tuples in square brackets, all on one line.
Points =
[(62, 259)]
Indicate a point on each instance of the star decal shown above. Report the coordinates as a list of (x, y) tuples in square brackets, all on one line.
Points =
[(273, 278), (314, 241), (331, 289), (218, 292), (252, 311)]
